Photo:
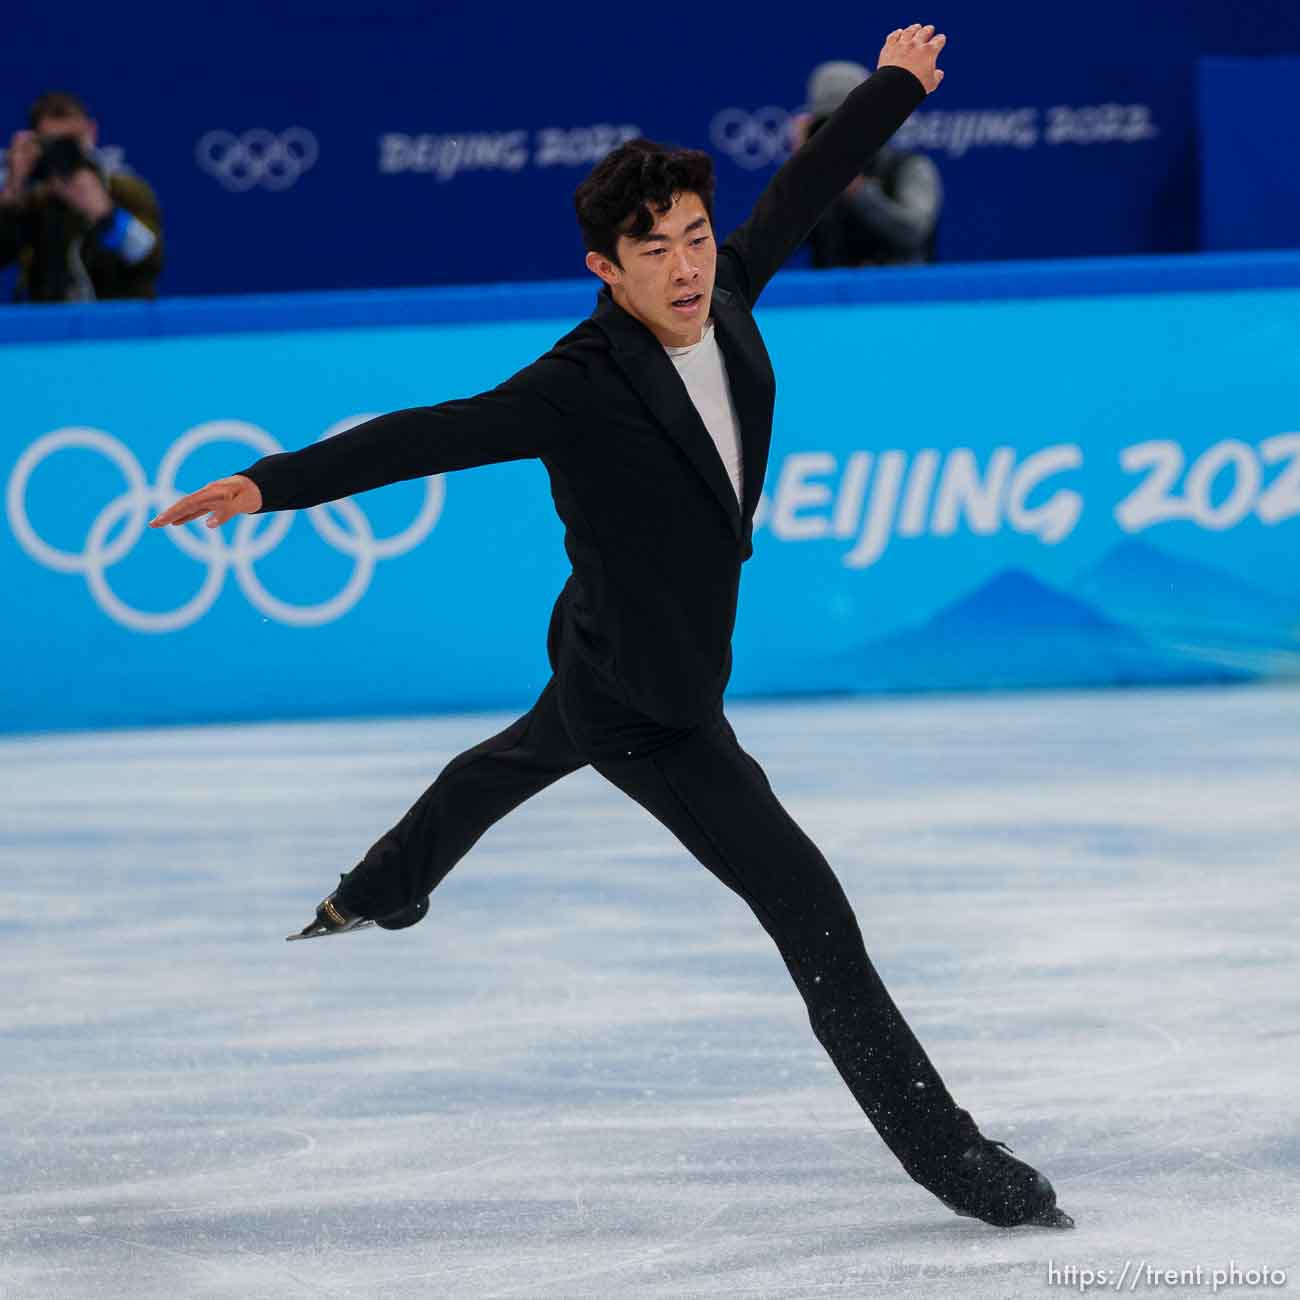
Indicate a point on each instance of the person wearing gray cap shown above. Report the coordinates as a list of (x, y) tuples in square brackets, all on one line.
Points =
[(889, 214)]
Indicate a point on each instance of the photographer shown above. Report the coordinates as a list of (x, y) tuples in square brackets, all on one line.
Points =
[(78, 231), (889, 214)]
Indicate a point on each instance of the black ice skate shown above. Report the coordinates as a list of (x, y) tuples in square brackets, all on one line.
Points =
[(333, 918), (985, 1182)]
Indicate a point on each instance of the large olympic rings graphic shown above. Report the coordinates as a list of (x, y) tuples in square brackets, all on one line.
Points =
[(254, 537), (753, 140), (258, 157)]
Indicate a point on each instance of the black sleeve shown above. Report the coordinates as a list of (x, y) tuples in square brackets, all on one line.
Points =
[(808, 183), (521, 418)]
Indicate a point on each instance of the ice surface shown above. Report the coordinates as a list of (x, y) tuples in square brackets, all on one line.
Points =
[(587, 1073)]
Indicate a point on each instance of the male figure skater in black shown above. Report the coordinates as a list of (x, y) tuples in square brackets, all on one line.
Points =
[(653, 418)]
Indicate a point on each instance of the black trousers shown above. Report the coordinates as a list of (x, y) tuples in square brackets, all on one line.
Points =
[(716, 800)]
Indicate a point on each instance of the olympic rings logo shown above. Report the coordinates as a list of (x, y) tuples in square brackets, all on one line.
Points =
[(254, 537), (753, 140), (258, 157)]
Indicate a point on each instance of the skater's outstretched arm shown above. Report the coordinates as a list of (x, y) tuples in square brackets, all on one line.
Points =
[(809, 182), (524, 417)]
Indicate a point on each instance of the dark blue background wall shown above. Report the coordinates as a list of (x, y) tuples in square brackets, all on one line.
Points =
[(1250, 182), (1060, 131)]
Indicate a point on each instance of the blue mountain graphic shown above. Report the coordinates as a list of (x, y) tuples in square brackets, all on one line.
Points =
[(1014, 598), (1015, 631), (1181, 603)]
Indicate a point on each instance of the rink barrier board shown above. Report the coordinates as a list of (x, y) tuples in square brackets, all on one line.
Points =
[(1074, 474)]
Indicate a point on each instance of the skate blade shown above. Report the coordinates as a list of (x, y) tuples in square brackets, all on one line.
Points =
[(1053, 1218), (321, 931)]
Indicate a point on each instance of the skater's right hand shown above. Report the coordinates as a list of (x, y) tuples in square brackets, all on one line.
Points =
[(224, 497)]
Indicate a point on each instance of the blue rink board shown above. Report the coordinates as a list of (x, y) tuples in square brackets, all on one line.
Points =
[(1078, 478)]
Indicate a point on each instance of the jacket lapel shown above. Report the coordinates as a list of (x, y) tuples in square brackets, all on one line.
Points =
[(650, 371), (752, 414)]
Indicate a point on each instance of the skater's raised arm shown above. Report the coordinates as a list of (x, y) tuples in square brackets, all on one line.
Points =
[(519, 419), (808, 183)]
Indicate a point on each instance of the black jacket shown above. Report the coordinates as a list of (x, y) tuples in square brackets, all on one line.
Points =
[(652, 526)]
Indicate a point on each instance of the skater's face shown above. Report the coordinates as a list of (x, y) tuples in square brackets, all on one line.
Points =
[(666, 276)]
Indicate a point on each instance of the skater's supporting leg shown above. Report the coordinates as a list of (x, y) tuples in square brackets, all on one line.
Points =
[(474, 790), (716, 799)]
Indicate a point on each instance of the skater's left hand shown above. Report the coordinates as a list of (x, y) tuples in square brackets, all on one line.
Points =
[(915, 48)]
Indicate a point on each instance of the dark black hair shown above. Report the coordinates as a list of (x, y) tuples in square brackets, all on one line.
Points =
[(628, 188), (55, 103)]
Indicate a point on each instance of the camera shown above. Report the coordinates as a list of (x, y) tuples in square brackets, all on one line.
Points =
[(61, 156)]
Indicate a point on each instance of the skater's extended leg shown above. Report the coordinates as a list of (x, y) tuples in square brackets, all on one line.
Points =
[(716, 799), (474, 790)]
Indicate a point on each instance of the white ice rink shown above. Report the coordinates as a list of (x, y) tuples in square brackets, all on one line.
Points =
[(587, 1072)]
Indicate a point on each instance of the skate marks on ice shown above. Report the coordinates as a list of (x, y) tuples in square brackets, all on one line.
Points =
[(585, 1072)]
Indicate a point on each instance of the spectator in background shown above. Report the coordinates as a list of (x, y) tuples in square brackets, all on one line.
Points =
[(889, 215), (78, 231)]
